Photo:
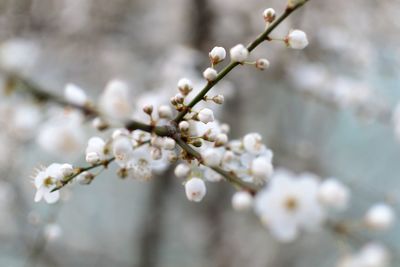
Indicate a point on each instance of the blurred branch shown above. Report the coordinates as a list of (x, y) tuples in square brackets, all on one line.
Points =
[(16, 82)]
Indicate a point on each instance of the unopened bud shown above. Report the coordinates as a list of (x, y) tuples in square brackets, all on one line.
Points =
[(148, 109), (218, 99), (269, 15)]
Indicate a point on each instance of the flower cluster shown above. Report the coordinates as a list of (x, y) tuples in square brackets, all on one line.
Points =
[(290, 203), (184, 131)]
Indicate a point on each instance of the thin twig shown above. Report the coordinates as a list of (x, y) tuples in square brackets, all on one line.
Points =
[(261, 38), (64, 182)]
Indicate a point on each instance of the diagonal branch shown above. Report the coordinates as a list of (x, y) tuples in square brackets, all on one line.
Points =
[(261, 38)]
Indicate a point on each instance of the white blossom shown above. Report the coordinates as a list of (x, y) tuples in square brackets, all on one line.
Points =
[(261, 168), (262, 64), (99, 123), (185, 86), (221, 139), (62, 134), (217, 54), (165, 112), (218, 99), (182, 170), (206, 115), (288, 204), (184, 126), (18, 55), (373, 255), (269, 15), (211, 157), (66, 170), (75, 94), (380, 217), (297, 39), (115, 101), (210, 74), (45, 181), (212, 176), (195, 189), (333, 193), (169, 143), (242, 200), (23, 120), (52, 231), (252, 143), (95, 150), (122, 148), (239, 53)]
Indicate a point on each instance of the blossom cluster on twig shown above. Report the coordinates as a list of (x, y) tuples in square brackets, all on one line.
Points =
[(197, 143)]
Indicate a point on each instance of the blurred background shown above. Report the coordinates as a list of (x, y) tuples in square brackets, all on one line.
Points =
[(325, 109)]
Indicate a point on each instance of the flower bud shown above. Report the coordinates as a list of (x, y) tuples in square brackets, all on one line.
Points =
[(169, 143), (262, 64), (184, 126), (99, 124), (332, 193), (75, 94), (182, 170), (120, 133), (380, 217), (261, 168), (165, 112), (217, 54), (218, 99), (252, 142), (148, 109), (221, 140), (211, 157), (210, 74), (225, 128), (195, 189), (296, 39), (66, 170), (206, 115), (269, 15), (92, 157), (239, 53), (173, 102), (179, 98), (242, 200), (185, 86)]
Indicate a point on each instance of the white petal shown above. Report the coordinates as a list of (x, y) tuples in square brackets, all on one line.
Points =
[(38, 195), (52, 197)]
